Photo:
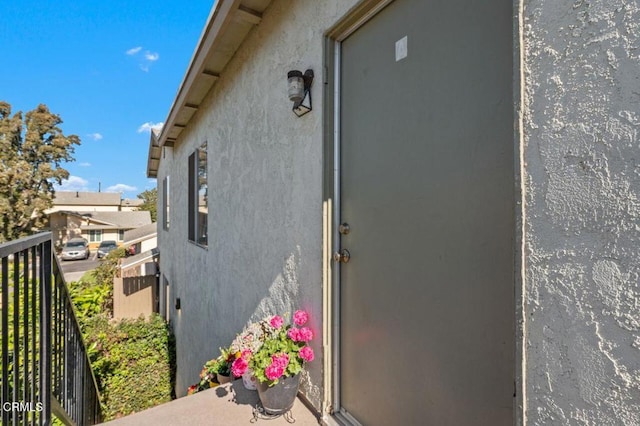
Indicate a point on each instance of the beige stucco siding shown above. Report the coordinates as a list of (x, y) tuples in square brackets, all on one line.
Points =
[(265, 194), (582, 215)]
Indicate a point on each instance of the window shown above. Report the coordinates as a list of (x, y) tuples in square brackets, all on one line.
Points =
[(198, 196), (95, 235), (165, 202), (120, 234)]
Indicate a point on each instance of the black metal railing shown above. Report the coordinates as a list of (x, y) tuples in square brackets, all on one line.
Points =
[(45, 368)]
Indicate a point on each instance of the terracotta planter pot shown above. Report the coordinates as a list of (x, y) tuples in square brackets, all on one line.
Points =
[(279, 398)]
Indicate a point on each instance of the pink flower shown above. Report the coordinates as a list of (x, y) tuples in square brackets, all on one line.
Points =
[(246, 354), (277, 367), (239, 366), (306, 353), (294, 334), (300, 318), (282, 359), (276, 321), (273, 372), (305, 334)]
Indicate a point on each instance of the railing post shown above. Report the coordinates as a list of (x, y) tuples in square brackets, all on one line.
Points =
[(45, 330)]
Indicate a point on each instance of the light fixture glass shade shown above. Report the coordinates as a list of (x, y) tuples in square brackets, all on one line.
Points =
[(296, 86)]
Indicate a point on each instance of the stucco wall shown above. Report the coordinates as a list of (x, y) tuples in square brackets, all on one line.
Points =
[(582, 211), (148, 244), (265, 194)]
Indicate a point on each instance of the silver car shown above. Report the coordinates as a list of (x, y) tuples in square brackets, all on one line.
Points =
[(75, 248), (106, 247)]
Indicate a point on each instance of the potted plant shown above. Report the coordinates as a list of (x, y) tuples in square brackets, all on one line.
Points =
[(278, 361), (208, 378), (222, 366)]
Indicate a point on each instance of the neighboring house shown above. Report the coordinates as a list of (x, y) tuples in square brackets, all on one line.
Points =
[(95, 226), (69, 207), (85, 201), (458, 212)]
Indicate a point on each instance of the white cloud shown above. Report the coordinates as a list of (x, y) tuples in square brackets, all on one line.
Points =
[(74, 183), (150, 125), (95, 136), (121, 187), (152, 57), (134, 50), (144, 60), (84, 164)]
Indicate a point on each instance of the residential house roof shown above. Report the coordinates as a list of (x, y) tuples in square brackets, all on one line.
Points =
[(137, 259), (141, 233), (115, 220), (131, 202), (228, 25), (77, 198)]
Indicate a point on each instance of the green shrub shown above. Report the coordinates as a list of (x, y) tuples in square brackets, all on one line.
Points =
[(133, 361)]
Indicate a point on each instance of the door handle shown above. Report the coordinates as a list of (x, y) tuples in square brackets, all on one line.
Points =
[(342, 256)]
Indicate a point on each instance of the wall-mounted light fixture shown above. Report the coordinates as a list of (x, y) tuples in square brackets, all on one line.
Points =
[(178, 307), (299, 90)]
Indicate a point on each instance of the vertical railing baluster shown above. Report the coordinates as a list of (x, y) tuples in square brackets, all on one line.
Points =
[(15, 373), (45, 329), (25, 321), (76, 388), (67, 350), (34, 331), (60, 346), (56, 343), (5, 338)]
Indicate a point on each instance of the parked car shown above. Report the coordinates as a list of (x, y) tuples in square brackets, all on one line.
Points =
[(106, 247), (75, 248)]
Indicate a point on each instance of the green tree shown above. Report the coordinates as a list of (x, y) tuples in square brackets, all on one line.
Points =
[(32, 150), (150, 202)]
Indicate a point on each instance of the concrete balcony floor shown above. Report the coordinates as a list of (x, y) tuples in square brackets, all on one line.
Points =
[(228, 404)]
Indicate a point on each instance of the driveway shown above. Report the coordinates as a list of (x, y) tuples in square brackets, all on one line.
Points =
[(73, 270)]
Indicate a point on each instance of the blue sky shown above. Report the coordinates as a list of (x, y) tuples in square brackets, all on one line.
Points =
[(110, 69)]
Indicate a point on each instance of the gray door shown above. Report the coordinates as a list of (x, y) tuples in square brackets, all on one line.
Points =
[(427, 187)]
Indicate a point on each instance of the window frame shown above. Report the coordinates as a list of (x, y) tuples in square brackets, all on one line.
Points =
[(166, 203), (95, 235), (198, 204)]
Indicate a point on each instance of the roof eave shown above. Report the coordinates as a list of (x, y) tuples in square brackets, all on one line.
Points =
[(227, 26)]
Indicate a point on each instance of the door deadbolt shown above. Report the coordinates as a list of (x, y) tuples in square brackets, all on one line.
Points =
[(342, 256)]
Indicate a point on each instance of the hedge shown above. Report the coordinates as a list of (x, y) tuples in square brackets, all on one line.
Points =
[(133, 360)]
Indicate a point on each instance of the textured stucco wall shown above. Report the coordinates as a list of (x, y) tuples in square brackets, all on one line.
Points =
[(582, 214), (265, 194)]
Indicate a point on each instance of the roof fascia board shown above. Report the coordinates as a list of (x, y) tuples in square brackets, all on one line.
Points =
[(86, 217), (141, 239), (217, 22)]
